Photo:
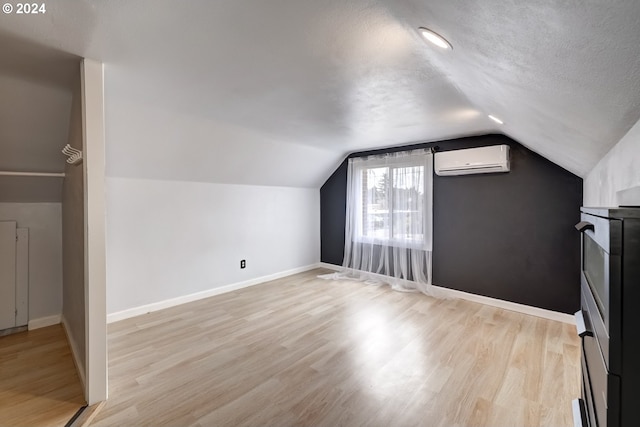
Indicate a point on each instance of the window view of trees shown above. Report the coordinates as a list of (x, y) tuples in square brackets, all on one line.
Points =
[(393, 203), (375, 203)]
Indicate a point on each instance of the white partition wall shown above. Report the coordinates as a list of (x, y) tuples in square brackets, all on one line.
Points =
[(95, 282), (618, 170)]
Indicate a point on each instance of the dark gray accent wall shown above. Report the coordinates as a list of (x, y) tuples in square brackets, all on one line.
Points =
[(333, 209), (503, 235)]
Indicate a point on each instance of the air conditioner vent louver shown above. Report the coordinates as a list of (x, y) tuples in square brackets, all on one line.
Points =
[(467, 161)]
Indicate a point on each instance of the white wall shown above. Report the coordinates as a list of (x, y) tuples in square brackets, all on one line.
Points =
[(167, 239), (618, 170), (44, 221), (73, 230)]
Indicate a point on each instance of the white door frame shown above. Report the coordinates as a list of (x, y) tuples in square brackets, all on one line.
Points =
[(93, 147)]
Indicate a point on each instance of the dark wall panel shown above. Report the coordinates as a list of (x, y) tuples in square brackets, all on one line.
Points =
[(505, 235), (333, 208)]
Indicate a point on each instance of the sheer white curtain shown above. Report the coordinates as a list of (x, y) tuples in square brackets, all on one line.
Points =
[(388, 233)]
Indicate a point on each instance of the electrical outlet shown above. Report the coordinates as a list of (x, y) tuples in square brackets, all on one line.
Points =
[(243, 263)]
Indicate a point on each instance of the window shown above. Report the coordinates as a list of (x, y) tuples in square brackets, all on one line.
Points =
[(388, 225), (391, 201)]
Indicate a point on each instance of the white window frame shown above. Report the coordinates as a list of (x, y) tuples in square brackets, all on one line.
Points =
[(400, 162)]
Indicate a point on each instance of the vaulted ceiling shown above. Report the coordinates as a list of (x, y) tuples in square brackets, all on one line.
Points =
[(277, 93)]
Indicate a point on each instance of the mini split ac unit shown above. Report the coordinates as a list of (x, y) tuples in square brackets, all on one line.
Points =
[(490, 159)]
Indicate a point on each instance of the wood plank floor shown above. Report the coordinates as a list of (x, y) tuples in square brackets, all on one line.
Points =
[(39, 385), (303, 351)]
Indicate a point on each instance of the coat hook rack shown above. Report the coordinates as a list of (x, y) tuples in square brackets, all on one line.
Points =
[(74, 155)]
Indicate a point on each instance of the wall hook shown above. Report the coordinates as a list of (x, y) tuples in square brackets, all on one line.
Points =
[(74, 155)]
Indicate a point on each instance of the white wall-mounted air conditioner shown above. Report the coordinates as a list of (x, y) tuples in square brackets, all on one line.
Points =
[(467, 161)]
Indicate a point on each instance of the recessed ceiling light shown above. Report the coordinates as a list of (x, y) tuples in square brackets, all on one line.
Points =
[(435, 38), (495, 119)]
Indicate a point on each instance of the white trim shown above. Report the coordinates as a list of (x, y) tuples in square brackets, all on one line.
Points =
[(330, 266), (74, 351), (494, 302), (172, 302), (43, 322), (93, 148), (508, 305)]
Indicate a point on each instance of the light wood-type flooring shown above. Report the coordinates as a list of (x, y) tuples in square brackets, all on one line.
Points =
[(303, 351), (39, 385)]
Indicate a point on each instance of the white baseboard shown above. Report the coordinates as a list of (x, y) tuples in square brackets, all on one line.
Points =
[(330, 266), (148, 308), (74, 352), (43, 322), (508, 305), (494, 302)]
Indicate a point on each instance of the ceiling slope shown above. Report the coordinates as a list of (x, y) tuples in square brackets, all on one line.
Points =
[(563, 76), (277, 93), (35, 104)]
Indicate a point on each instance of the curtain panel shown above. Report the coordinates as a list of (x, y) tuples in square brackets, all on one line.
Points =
[(389, 224)]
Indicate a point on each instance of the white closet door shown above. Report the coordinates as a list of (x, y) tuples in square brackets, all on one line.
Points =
[(7, 274), (22, 277)]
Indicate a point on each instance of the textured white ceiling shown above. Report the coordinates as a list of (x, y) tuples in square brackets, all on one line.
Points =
[(277, 93)]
